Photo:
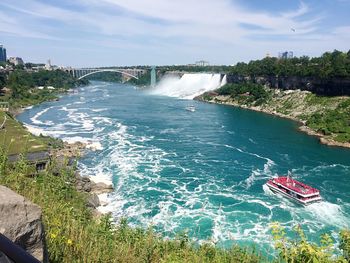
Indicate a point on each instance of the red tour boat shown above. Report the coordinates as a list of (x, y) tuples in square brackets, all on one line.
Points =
[(294, 189)]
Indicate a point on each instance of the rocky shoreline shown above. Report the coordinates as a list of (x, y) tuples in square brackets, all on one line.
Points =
[(66, 156), (226, 100), (94, 191), (71, 152)]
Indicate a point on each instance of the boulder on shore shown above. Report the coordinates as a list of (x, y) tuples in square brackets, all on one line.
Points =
[(93, 201), (84, 184), (21, 222)]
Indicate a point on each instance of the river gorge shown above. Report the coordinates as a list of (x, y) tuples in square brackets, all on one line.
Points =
[(202, 172)]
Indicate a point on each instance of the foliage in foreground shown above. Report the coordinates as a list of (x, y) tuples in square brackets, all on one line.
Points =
[(74, 236), (300, 250)]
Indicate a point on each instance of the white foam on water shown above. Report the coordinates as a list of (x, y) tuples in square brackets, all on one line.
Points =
[(75, 139), (35, 120), (258, 173), (252, 141), (102, 120), (189, 85), (267, 190), (126, 154), (98, 173), (35, 130), (328, 213), (171, 131), (250, 180), (268, 165), (99, 110), (79, 102), (115, 207), (82, 118), (269, 161), (94, 146)]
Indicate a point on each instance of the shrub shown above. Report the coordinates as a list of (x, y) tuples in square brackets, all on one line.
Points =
[(300, 250)]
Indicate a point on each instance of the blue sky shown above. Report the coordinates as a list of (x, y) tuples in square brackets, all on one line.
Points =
[(159, 32)]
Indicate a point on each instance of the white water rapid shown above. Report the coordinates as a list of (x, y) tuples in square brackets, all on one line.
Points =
[(189, 85)]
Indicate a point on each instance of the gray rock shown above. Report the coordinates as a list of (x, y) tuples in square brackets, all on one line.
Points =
[(93, 201), (100, 188), (87, 187), (86, 179), (20, 221), (79, 187), (83, 183)]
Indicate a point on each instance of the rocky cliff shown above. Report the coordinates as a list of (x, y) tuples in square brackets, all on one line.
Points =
[(319, 86)]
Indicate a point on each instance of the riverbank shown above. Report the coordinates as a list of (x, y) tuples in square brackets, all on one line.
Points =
[(296, 105), (16, 138), (68, 152)]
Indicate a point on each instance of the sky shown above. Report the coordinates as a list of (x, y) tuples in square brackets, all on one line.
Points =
[(87, 33)]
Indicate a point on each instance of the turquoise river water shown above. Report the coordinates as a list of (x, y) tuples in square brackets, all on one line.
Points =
[(202, 172)]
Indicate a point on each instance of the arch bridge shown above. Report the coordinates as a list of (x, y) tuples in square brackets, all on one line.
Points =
[(127, 73)]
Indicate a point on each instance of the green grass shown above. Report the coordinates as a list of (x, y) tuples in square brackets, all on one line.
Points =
[(16, 139), (333, 122), (328, 102)]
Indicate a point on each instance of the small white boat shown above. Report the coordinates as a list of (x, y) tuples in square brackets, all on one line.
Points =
[(191, 108)]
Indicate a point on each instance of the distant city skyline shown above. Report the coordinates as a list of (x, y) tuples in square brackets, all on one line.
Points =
[(3, 56), (86, 33)]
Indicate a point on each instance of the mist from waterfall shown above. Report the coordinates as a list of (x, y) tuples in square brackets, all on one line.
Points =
[(189, 85)]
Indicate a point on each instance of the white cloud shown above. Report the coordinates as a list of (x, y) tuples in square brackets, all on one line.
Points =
[(203, 27), (10, 25), (183, 18)]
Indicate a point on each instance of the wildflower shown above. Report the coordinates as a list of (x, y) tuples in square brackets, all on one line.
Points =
[(53, 236), (69, 242)]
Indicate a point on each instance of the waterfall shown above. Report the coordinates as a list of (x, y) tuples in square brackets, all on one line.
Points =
[(189, 85)]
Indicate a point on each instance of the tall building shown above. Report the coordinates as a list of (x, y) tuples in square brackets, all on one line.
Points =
[(3, 57)]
